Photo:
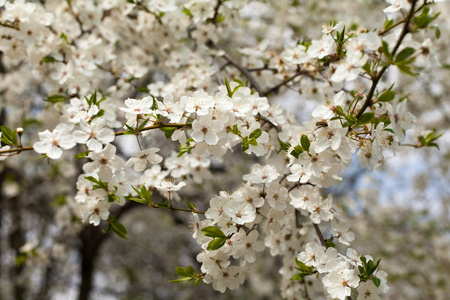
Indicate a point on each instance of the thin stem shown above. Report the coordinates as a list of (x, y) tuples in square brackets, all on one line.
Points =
[(117, 134), (375, 80), (384, 31), (139, 143), (154, 127), (16, 150), (180, 209), (320, 235), (238, 66), (276, 87)]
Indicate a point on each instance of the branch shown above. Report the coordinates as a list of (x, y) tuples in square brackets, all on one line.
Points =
[(375, 80), (386, 30), (276, 87), (238, 66)]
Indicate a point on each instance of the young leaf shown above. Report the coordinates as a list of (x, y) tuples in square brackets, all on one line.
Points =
[(386, 51), (119, 229), (181, 272), (376, 281), (55, 99), (366, 118), (255, 134), (213, 231), (404, 54), (304, 140), (217, 243), (168, 131)]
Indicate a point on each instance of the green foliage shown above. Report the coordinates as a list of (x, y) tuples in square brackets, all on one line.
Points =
[(387, 95), (145, 197), (429, 140), (56, 99), (186, 148), (304, 141), (168, 131), (304, 270), (297, 151), (187, 274), (9, 137), (367, 269), (217, 234), (116, 227)]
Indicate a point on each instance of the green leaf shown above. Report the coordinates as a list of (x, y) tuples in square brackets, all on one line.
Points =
[(230, 93), (386, 51), (388, 95), (245, 144), (119, 229), (181, 279), (215, 244), (8, 137), (406, 69), (162, 204), (302, 266), (253, 142), (255, 134), (186, 11), (142, 125), (143, 89), (304, 141), (48, 59), (64, 37), (197, 281), (283, 146), (339, 111), (388, 23), (238, 81), (299, 276), (168, 131), (138, 200), (190, 205), (190, 271), (376, 281), (181, 272), (404, 54), (212, 231), (366, 118), (184, 149), (55, 99), (81, 155), (351, 119), (297, 151)]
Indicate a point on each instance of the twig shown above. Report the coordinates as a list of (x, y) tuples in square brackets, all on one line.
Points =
[(238, 66), (375, 80)]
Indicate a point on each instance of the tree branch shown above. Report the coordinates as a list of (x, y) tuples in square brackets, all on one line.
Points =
[(253, 83)]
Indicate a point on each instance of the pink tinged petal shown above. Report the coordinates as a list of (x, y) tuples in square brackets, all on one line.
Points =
[(55, 153), (42, 147)]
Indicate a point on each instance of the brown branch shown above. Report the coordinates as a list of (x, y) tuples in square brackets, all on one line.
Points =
[(386, 30), (276, 87), (238, 66), (375, 80)]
